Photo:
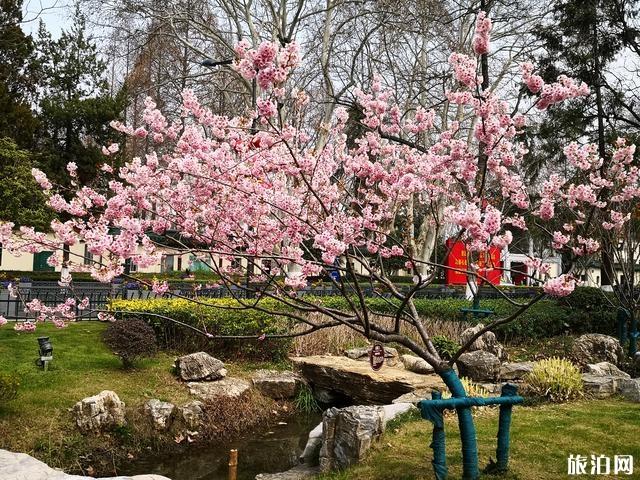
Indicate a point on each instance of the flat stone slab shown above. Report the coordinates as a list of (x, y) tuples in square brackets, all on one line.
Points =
[(296, 473), (359, 382), (227, 387), (20, 466)]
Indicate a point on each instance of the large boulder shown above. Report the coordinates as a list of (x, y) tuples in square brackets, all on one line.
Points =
[(160, 413), (347, 435), (416, 364), (362, 354), (20, 466), (100, 412), (275, 384), (630, 389), (606, 369), (486, 342), (357, 383), (595, 348), (599, 386), (515, 371), (199, 367), (225, 388), (479, 366)]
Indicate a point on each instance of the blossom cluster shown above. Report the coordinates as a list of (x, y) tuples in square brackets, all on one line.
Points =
[(270, 193)]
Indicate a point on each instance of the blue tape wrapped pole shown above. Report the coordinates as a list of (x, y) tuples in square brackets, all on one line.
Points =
[(470, 470), (434, 415), (504, 426)]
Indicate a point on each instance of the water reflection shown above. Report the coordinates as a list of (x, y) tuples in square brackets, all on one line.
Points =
[(270, 451)]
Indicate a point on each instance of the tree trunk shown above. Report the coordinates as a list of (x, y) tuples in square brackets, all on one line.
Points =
[(470, 469)]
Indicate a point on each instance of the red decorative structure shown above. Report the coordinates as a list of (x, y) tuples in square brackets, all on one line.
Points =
[(489, 267)]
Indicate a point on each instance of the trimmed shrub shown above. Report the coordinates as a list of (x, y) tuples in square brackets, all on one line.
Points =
[(8, 387), (217, 316), (590, 310), (130, 339), (557, 379), (445, 346)]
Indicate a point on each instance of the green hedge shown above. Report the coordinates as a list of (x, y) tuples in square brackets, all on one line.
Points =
[(218, 317), (586, 310)]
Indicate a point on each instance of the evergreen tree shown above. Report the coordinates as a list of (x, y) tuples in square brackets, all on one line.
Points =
[(17, 87), (76, 105), (21, 198), (583, 41)]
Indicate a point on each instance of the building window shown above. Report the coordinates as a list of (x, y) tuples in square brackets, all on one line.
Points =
[(40, 262)]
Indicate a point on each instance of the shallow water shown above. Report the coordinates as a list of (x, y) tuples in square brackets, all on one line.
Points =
[(271, 451)]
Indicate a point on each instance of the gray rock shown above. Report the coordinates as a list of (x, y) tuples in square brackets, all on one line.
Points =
[(191, 415), (275, 384), (227, 387), (606, 369), (630, 389), (100, 412), (479, 366), (20, 466), (598, 386), (415, 396), (296, 473), (160, 413), (595, 348), (362, 355), (358, 382), (347, 435), (487, 342), (198, 367), (515, 371), (416, 364)]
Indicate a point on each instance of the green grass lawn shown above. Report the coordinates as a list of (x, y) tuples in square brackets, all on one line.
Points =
[(542, 438), (82, 366)]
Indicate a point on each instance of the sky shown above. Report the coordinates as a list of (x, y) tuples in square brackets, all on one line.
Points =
[(54, 13)]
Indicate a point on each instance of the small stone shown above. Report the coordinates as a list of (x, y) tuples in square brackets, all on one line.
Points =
[(415, 396), (275, 384), (199, 366), (599, 386), (191, 415), (479, 366), (604, 369), (227, 387), (160, 413), (299, 472), (416, 364), (515, 370), (630, 389), (100, 412)]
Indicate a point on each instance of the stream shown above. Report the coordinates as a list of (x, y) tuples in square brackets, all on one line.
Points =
[(268, 451)]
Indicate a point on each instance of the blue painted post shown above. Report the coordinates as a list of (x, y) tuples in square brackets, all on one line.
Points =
[(470, 470), (504, 426), (439, 461)]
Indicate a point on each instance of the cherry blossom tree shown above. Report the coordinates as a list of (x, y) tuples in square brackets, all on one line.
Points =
[(257, 187)]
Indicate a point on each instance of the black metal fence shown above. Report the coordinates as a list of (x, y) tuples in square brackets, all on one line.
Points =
[(99, 295)]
